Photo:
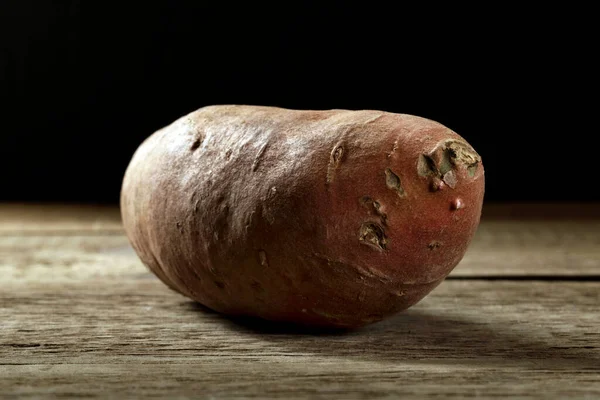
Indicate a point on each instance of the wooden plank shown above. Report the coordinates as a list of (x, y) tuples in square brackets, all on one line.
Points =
[(535, 239), (135, 338), (31, 218), (522, 247), (52, 258)]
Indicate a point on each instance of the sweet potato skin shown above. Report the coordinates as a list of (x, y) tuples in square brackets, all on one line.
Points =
[(329, 218)]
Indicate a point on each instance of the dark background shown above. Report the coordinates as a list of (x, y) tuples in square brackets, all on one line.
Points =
[(82, 83)]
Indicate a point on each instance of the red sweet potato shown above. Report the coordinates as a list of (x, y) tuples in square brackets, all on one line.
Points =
[(331, 218)]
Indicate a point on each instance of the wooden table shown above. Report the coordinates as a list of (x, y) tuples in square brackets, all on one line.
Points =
[(81, 317)]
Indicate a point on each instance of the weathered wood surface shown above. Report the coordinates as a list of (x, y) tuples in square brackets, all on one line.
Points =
[(135, 338), (81, 317)]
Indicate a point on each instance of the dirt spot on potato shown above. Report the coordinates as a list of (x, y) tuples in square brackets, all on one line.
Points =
[(373, 235), (335, 160), (426, 166), (472, 169), (462, 153), (450, 179), (262, 258), (374, 208), (197, 143), (337, 154), (392, 181), (219, 284), (259, 157), (440, 166), (434, 245)]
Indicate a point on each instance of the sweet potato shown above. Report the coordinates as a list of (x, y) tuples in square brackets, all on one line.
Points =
[(326, 218)]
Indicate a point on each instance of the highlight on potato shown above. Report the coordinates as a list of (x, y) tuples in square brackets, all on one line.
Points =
[(334, 218)]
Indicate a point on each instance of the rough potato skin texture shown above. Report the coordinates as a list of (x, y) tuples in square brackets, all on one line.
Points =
[(326, 218)]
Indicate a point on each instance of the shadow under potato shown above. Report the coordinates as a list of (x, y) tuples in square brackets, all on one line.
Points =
[(419, 334), (262, 326)]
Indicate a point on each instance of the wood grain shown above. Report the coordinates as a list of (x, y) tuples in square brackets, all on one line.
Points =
[(533, 248), (134, 338), (54, 258), (80, 316)]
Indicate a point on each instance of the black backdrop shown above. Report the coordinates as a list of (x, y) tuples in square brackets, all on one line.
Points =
[(82, 83)]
